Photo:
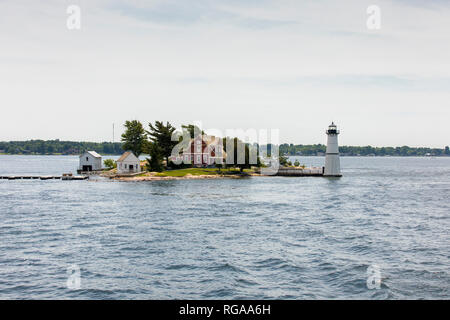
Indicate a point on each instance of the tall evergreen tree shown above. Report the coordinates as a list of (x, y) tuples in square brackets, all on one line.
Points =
[(134, 137), (192, 129), (154, 163), (161, 135)]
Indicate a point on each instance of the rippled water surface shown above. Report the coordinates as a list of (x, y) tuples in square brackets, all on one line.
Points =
[(253, 238)]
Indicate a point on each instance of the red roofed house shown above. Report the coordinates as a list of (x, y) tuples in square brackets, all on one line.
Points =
[(203, 151)]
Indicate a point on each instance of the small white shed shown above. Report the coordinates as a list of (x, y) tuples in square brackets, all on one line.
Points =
[(90, 161), (128, 163)]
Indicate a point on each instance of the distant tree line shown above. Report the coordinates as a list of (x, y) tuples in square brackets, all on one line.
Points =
[(42, 147), (404, 151)]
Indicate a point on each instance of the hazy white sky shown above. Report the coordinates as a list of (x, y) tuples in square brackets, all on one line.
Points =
[(287, 64)]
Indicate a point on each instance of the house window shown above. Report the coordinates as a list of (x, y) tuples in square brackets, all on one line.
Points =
[(198, 159), (87, 158)]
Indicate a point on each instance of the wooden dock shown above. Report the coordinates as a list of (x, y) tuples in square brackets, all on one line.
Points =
[(76, 178)]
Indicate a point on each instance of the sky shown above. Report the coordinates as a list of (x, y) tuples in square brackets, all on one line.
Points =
[(238, 64)]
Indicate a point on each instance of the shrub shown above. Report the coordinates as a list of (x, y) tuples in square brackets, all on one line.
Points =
[(110, 163)]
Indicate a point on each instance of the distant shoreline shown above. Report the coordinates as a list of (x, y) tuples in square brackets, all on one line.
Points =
[(341, 155), (58, 147)]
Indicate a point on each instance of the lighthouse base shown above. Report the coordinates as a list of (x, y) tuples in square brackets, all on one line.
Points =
[(332, 165)]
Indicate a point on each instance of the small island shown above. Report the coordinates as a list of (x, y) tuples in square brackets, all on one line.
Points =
[(202, 156), (195, 155)]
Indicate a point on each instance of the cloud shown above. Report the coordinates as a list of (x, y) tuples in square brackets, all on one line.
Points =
[(180, 60), (178, 13)]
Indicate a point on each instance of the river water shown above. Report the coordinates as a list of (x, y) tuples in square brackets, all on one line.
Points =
[(252, 238)]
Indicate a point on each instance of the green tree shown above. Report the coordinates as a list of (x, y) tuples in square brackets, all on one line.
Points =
[(154, 163), (192, 129), (237, 146), (297, 163), (161, 135), (110, 163), (134, 137), (283, 161)]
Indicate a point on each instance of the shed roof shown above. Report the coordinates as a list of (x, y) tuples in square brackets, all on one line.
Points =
[(126, 155), (93, 153)]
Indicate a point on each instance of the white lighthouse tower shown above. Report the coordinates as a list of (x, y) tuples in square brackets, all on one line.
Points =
[(332, 163)]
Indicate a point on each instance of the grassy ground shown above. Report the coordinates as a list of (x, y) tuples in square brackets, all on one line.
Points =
[(199, 172)]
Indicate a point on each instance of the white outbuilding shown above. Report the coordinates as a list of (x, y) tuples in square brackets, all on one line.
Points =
[(90, 161), (128, 163)]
